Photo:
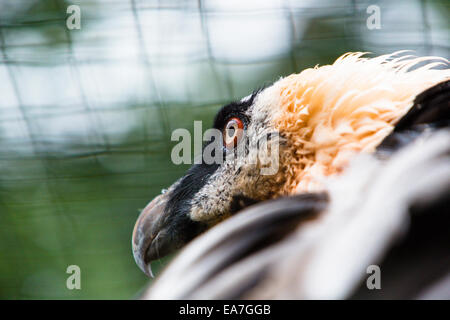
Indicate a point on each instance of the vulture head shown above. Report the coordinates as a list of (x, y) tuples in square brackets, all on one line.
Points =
[(284, 139)]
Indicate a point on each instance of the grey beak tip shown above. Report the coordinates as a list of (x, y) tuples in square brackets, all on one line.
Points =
[(149, 271), (143, 235)]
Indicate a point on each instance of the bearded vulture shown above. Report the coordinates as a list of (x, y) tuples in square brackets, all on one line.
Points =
[(362, 185)]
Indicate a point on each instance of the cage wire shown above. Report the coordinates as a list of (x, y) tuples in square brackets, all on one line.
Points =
[(86, 115)]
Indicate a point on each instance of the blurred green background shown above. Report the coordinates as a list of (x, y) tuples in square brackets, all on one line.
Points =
[(86, 115)]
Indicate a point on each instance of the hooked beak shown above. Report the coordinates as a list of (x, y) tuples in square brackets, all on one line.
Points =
[(151, 238), (159, 232)]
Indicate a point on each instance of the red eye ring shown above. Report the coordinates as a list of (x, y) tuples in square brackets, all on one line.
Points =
[(232, 132)]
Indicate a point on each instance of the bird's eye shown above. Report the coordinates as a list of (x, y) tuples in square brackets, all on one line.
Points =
[(232, 132)]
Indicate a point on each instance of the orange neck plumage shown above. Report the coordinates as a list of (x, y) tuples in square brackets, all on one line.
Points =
[(330, 113)]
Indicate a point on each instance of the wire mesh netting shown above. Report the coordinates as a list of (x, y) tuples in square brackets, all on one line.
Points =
[(86, 115)]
